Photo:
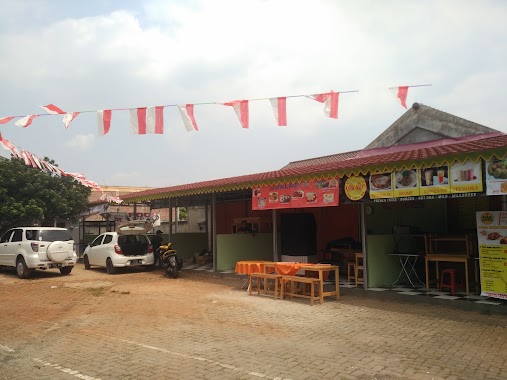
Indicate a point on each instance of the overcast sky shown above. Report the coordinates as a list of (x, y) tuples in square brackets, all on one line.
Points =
[(90, 55)]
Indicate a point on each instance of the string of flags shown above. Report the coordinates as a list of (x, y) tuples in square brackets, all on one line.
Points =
[(144, 120), (32, 160)]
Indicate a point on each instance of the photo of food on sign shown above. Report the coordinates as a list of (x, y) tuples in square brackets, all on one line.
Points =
[(467, 173), (380, 182), (298, 194), (497, 169), (285, 199), (311, 197), (328, 198), (405, 179), (256, 192), (261, 202), (273, 197), (492, 237), (333, 182)]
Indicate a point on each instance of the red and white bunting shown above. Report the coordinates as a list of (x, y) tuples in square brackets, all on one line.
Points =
[(67, 119), (147, 120), (104, 121), (52, 109), (280, 110), (24, 156), (26, 121), (241, 109), (30, 158), (7, 145), (37, 162), (155, 120), (187, 115), (401, 93), (330, 100), (4, 120)]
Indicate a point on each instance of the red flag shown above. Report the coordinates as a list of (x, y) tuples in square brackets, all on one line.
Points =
[(104, 121), (241, 109), (280, 110), (401, 93), (67, 119), (138, 121), (26, 121), (52, 109), (147, 120), (4, 120), (330, 101), (187, 115)]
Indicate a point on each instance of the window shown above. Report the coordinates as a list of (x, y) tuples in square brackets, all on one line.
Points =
[(54, 235), (97, 241), (31, 234), (17, 235), (6, 237), (107, 239)]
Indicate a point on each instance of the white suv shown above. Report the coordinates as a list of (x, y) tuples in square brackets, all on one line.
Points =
[(29, 248)]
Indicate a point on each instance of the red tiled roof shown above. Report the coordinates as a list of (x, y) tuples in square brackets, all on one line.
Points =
[(321, 160), (472, 149)]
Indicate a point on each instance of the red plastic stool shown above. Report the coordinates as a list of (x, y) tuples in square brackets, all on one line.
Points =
[(452, 280)]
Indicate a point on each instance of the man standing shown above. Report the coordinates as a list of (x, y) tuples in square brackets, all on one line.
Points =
[(156, 243)]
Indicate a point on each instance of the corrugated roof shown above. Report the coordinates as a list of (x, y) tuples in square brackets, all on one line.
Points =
[(402, 157), (321, 160)]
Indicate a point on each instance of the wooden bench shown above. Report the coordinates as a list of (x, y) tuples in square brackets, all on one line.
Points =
[(292, 292), (262, 286)]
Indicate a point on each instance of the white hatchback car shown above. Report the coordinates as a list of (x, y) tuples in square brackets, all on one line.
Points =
[(128, 247)]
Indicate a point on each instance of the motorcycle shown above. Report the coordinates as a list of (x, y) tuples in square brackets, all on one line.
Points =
[(170, 262)]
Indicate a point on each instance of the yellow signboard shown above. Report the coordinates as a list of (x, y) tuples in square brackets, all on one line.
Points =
[(491, 229)]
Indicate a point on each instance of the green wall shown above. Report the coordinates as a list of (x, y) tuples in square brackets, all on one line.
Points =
[(382, 269), (232, 248), (186, 244)]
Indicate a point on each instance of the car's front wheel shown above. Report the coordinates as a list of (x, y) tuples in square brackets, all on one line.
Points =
[(110, 267), (86, 262), (21, 269), (65, 270)]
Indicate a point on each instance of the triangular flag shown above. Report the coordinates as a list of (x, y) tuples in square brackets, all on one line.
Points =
[(138, 121), (280, 110), (52, 109), (69, 117), (4, 120), (155, 120), (330, 101), (187, 115), (241, 109), (104, 121), (26, 121), (401, 93)]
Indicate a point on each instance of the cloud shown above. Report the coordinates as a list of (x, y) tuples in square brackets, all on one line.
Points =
[(81, 143)]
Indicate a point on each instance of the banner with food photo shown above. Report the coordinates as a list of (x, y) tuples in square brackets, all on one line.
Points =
[(434, 180), (380, 185), (321, 193), (496, 176), (492, 241), (466, 177), (406, 183)]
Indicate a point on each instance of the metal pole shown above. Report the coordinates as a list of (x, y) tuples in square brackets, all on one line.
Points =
[(275, 236), (170, 220), (362, 214), (214, 228), (177, 216)]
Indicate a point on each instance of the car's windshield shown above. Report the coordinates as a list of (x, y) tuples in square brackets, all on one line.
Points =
[(48, 235)]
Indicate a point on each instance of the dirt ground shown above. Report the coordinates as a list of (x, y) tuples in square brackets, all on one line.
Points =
[(141, 324)]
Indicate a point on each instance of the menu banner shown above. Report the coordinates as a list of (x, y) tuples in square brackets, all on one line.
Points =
[(496, 176), (296, 195), (492, 241)]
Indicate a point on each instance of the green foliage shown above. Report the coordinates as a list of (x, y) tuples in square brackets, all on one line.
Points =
[(28, 195), (183, 214)]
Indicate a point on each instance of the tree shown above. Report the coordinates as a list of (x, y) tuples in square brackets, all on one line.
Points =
[(28, 195)]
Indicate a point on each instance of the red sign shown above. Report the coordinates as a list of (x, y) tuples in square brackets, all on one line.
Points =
[(296, 195)]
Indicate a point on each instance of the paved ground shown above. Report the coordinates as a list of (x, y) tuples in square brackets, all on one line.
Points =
[(138, 324)]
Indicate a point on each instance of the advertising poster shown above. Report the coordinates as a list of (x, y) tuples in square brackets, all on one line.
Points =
[(492, 241), (406, 183), (381, 185), (496, 177), (466, 177), (296, 195), (434, 180)]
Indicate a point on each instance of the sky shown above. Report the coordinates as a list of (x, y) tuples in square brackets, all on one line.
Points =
[(93, 55)]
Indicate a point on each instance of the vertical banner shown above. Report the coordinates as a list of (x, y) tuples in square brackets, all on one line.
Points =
[(492, 240), (496, 177)]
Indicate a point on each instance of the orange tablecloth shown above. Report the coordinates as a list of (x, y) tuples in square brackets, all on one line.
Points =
[(250, 266), (290, 269)]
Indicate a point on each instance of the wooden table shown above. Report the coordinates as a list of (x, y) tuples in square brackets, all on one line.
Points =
[(250, 266), (449, 259), (320, 269)]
